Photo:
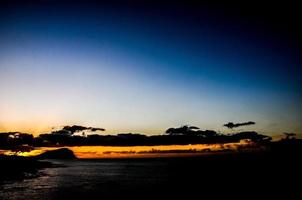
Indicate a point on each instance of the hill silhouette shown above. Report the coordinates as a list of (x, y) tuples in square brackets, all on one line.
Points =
[(63, 153)]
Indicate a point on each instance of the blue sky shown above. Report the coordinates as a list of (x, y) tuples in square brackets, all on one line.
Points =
[(143, 70)]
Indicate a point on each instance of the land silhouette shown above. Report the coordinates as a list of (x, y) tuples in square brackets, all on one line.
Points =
[(252, 172), (266, 173)]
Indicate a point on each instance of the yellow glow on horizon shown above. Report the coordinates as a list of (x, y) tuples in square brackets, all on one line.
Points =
[(34, 127), (26, 154), (94, 152)]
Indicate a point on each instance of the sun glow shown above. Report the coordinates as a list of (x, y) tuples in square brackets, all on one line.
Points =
[(94, 152)]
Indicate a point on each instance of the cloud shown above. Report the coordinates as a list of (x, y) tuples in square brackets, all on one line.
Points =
[(74, 128), (181, 130), (96, 129), (70, 130), (235, 125)]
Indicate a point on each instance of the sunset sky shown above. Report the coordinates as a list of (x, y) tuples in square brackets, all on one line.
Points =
[(147, 67)]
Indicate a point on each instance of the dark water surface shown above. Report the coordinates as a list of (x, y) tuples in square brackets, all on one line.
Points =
[(224, 176), (89, 178)]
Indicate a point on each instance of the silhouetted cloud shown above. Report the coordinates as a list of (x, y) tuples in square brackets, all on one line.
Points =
[(70, 130), (191, 131), (235, 125), (181, 130), (74, 128), (69, 136), (97, 129)]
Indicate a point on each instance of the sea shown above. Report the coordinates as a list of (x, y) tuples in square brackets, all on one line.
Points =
[(90, 179)]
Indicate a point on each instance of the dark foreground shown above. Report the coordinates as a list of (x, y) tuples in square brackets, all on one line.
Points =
[(228, 175), (14, 168)]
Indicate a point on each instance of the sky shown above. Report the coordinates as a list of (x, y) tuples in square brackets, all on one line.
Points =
[(143, 67)]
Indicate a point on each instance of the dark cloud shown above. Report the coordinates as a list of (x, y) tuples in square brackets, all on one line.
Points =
[(194, 127), (97, 129), (74, 128), (68, 136), (70, 130), (181, 130), (191, 131), (235, 125)]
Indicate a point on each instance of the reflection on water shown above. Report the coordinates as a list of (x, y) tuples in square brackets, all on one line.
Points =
[(138, 151), (94, 179), (84, 178)]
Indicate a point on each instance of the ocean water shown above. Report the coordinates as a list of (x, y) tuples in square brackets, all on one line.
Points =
[(224, 175), (90, 179)]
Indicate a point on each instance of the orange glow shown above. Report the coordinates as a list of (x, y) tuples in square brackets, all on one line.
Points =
[(137, 151)]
